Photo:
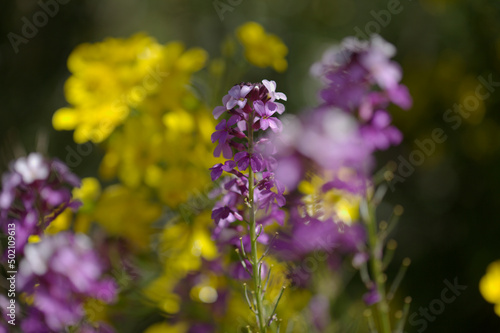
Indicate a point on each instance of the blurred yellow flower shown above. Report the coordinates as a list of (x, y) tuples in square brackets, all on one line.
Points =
[(160, 291), (341, 205), (262, 49), (167, 328), (183, 245), (489, 286), (123, 212), (111, 78)]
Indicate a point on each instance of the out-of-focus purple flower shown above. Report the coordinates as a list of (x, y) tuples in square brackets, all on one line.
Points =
[(310, 234), (371, 297), (201, 328), (60, 273), (362, 80), (319, 306), (328, 137), (238, 272), (34, 192), (379, 134)]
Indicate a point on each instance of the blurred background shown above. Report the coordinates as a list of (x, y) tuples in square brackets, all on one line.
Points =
[(447, 48)]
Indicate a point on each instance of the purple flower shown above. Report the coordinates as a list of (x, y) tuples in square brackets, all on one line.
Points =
[(250, 105), (219, 167), (371, 297), (352, 69), (379, 134), (244, 158), (219, 110), (35, 191), (222, 134), (265, 112), (59, 273), (271, 89), (310, 234), (238, 96)]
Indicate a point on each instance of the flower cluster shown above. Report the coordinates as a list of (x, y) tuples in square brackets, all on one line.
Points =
[(262, 49), (56, 273), (362, 80), (251, 108), (34, 192), (59, 274), (353, 122), (326, 156)]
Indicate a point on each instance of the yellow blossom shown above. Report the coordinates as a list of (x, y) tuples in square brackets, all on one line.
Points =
[(341, 205), (123, 212), (167, 328), (262, 49), (489, 286), (111, 78)]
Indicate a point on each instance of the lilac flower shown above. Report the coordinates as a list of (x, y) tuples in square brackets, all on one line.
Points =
[(223, 135), (252, 182), (330, 138), (310, 234), (353, 69), (244, 158), (238, 96), (217, 169), (274, 96), (35, 191), (219, 110), (60, 272), (265, 112), (271, 89), (319, 307), (378, 134), (371, 297), (238, 272)]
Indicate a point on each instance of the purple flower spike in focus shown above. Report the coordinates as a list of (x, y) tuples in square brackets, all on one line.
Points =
[(250, 197)]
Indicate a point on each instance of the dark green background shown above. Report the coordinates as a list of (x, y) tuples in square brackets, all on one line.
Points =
[(451, 225)]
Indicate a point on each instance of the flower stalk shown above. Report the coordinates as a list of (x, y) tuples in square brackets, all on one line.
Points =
[(257, 280), (376, 265)]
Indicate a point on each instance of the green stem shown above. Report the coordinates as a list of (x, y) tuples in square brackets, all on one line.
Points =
[(253, 239), (377, 271)]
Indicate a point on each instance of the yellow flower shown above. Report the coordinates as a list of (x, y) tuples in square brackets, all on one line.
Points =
[(123, 212), (183, 245), (262, 49), (341, 205), (489, 286), (167, 328), (112, 78), (161, 292)]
